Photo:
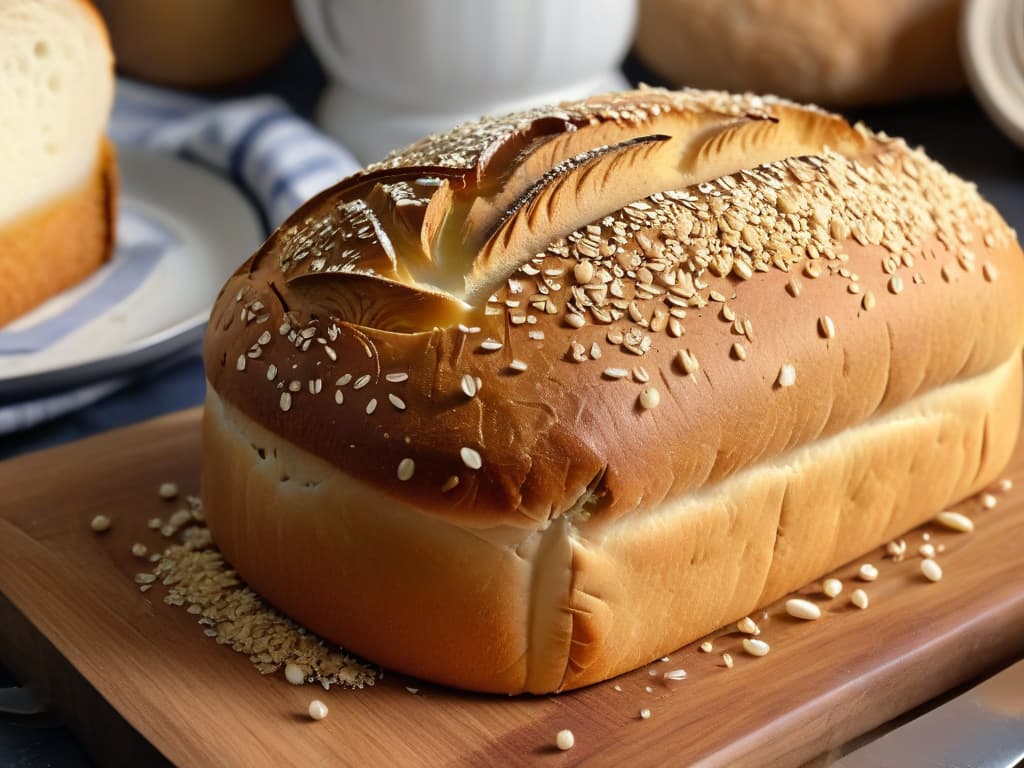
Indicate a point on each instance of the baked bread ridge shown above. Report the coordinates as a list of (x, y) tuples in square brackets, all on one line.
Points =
[(59, 244), (509, 610), (486, 407)]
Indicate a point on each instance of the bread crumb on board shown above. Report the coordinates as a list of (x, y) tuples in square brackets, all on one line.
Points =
[(192, 573)]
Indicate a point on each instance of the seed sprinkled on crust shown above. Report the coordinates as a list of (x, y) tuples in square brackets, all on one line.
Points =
[(286, 401), (645, 714), (707, 646), (755, 647), (468, 385), (240, 364), (649, 398), (471, 457), (675, 675), (794, 287), (406, 469), (832, 587), (139, 549), (616, 373), (293, 674), (826, 327), (988, 501), (397, 378), (867, 572), (518, 366), (787, 375), (926, 550), (362, 381), (491, 345), (955, 521), (100, 523), (450, 483), (339, 397), (738, 351), (1005, 484), (727, 660), (897, 548), (859, 598), (931, 569), (895, 284), (687, 361), (396, 401), (868, 302)]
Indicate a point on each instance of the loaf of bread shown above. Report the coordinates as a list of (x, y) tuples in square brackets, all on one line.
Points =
[(59, 190), (834, 52), (539, 400)]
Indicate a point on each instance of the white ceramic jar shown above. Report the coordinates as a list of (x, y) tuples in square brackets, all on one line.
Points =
[(992, 49), (401, 69)]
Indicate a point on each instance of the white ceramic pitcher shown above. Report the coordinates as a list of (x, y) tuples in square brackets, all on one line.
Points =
[(401, 69)]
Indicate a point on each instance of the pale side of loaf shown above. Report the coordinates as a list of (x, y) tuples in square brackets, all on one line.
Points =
[(534, 402), (838, 53), (59, 191)]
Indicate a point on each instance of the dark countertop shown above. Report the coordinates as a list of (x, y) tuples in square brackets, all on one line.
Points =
[(953, 130)]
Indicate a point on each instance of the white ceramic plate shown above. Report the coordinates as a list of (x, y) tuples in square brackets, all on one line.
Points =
[(181, 232)]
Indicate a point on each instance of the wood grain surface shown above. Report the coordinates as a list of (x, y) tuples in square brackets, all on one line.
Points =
[(198, 703)]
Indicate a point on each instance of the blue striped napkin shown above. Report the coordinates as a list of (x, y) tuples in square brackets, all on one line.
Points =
[(277, 159)]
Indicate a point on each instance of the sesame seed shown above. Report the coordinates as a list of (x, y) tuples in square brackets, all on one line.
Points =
[(240, 364), (687, 361), (517, 365), (616, 373), (315, 386), (362, 381), (755, 647), (286, 401), (450, 483), (396, 401), (640, 374), (748, 626), (271, 372), (339, 397), (897, 548), (396, 378), (926, 550), (293, 674), (988, 501), (167, 491), (329, 351), (802, 609), (793, 287), (294, 386), (859, 598), (471, 458), (826, 327), (575, 321), (264, 338), (867, 572), (491, 345), (345, 379), (565, 740), (144, 578), (100, 523), (1005, 484), (468, 385), (931, 570), (536, 335), (649, 398), (154, 523), (787, 375), (738, 351), (645, 714), (707, 646), (832, 587), (371, 406), (675, 674), (139, 549), (868, 302), (895, 284), (955, 521), (583, 272), (727, 660), (406, 468), (317, 709), (308, 333)]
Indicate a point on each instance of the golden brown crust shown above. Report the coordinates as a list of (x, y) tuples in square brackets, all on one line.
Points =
[(507, 610), (547, 434), (54, 247), (842, 53)]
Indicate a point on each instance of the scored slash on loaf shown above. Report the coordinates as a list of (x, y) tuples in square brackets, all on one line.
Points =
[(636, 387)]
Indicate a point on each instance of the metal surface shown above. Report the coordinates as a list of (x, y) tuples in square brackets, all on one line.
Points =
[(982, 728)]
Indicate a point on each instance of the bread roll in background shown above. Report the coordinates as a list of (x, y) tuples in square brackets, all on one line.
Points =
[(534, 402), (840, 53), (58, 190)]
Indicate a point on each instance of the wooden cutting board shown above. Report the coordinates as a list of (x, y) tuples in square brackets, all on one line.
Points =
[(198, 703)]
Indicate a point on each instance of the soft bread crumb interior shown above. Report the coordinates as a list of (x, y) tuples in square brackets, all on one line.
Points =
[(56, 91)]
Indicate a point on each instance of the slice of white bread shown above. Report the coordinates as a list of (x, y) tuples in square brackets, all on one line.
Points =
[(56, 168)]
